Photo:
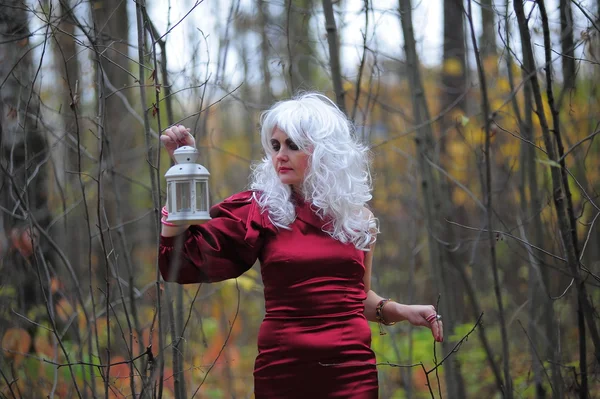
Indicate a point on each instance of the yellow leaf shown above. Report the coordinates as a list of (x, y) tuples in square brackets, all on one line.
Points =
[(503, 85), (453, 67)]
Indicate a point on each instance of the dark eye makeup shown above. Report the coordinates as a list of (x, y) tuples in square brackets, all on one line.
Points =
[(276, 145)]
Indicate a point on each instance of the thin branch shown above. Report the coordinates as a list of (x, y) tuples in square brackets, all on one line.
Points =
[(500, 233), (537, 355)]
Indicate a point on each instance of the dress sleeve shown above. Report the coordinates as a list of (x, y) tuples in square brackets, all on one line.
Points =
[(225, 247)]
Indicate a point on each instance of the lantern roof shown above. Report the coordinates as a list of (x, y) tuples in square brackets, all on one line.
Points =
[(186, 154), (186, 166), (186, 171)]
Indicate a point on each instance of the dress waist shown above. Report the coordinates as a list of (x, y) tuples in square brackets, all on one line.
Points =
[(295, 314)]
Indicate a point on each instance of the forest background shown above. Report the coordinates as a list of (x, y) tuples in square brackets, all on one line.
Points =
[(482, 123)]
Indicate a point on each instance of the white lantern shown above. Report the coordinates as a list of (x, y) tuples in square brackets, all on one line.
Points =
[(187, 188)]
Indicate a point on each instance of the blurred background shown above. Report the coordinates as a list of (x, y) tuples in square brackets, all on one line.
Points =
[(482, 120)]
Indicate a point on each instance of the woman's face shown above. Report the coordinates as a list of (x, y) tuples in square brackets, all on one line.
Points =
[(289, 161)]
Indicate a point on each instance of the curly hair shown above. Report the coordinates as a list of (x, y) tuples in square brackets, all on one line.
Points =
[(337, 181)]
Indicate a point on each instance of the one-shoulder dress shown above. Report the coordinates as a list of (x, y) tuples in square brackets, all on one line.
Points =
[(314, 341)]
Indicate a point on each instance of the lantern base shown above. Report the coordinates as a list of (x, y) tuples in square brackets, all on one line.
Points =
[(188, 218)]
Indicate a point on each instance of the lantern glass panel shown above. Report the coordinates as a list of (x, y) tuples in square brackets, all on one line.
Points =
[(169, 195), (183, 197), (201, 196)]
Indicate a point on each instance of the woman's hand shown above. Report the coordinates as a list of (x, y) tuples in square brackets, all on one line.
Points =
[(417, 315), (175, 137)]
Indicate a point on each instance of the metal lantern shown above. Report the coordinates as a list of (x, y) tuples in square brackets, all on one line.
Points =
[(187, 188)]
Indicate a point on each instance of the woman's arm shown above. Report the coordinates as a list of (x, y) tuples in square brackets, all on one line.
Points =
[(219, 249), (172, 231), (393, 312)]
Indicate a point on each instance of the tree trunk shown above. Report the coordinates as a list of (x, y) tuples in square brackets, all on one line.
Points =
[(298, 44), (559, 185), (454, 75), (266, 96), (485, 110), (23, 177), (71, 234), (117, 168), (487, 40), (567, 44), (453, 101), (334, 54), (431, 194)]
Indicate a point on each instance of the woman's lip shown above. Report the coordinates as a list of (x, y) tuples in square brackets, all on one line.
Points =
[(283, 170)]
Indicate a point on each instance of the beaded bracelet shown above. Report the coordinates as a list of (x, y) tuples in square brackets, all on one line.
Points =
[(379, 316)]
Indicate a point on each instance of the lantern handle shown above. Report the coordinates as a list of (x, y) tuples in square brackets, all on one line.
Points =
[(181, 143)]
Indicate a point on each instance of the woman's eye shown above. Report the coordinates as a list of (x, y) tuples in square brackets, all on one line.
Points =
[(293, 147), (275, 146)]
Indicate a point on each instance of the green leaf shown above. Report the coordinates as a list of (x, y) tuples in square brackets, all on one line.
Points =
[(548, 162)]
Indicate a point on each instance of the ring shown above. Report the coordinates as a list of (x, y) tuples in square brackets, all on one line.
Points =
[(432, 317), (438, 317)]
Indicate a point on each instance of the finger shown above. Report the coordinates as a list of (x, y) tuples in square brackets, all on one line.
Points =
[(169, 132), (182, 133), (439, 333), (167, 140), (436, 330), (172, 132)]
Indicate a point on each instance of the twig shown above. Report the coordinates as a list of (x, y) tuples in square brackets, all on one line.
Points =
[(503, 233), (537, 355), (237, 310), (8, 384)]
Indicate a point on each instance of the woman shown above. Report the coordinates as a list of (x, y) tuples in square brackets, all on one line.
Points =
[(305, 218)]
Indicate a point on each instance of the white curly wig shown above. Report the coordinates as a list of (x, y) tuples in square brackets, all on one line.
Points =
[(337, 181)]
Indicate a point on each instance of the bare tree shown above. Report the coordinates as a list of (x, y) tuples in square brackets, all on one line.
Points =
[(23, 155), (487, 188), (567, 44), (454, 72), (334, 54), (487, 40), (263, 22), (298, 44), (453, 102), (430, 186), (561, 191), (71, 233)]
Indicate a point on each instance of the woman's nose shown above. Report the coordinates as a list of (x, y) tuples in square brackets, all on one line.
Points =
[(282, 155)]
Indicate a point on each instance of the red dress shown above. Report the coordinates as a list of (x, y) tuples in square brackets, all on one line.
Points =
[(314, 341)]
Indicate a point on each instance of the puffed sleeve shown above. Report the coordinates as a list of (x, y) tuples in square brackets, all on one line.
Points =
[(225, 247)]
